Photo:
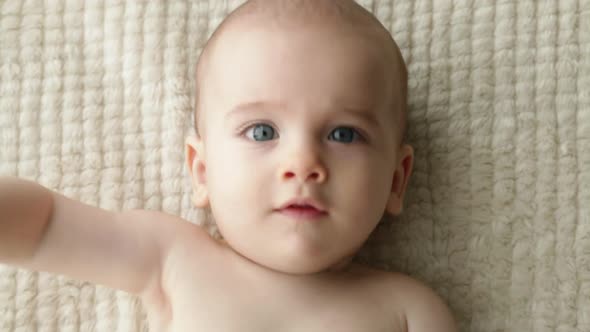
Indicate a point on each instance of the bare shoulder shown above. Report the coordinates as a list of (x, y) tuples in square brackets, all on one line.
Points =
[(164, 229), (424, 309), (173, 236), (170, 232)]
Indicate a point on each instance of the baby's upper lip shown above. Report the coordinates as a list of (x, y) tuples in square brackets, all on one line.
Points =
[(304, 201)]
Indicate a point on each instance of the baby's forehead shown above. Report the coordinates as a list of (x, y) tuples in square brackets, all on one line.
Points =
[(267, 62), (365, 49)]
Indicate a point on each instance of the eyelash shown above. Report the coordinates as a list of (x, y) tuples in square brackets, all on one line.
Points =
[(244, 128)]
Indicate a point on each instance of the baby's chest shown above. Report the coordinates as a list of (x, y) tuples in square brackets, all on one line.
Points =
[(222, 306), (233, 310)]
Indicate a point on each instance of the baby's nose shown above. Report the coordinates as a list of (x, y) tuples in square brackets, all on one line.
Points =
[(304, 167)]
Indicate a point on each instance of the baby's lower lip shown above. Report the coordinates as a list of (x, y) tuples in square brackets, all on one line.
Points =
[(308, 213)]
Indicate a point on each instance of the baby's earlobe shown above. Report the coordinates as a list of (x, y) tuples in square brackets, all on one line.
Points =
[(395, 205), (200, 198)]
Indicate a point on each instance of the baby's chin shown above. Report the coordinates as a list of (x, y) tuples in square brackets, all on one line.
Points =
[(297, 260)]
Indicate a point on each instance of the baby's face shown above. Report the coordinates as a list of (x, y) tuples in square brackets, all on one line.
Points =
[(298, 114)]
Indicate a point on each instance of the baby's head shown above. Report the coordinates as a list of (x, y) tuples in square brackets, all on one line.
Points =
[(300, 101)]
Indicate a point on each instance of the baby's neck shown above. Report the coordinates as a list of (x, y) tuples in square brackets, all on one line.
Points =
[(342, 266)]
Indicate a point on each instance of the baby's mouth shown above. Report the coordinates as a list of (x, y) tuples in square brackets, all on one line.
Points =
[(303, 208), (302, 212)]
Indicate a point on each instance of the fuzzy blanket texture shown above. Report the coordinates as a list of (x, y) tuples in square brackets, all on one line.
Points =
[(96, 98)]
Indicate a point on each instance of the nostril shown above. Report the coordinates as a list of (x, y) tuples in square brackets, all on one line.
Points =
[(314, 176)]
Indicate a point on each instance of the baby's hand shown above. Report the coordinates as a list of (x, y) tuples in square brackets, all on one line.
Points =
[(45, 231)]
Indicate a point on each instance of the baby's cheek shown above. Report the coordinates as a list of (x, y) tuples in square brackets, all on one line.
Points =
[(233, 180), (367, 189)]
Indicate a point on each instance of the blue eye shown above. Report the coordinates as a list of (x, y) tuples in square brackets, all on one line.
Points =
[(261, 132), (344, 134)]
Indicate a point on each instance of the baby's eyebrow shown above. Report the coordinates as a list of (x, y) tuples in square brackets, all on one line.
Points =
[(365, 114), (252, 106)]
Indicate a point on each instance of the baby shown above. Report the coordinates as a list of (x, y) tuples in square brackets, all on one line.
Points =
[(299, 152)]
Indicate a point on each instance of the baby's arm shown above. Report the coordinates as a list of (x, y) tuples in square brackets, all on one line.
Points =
[(45, 231)]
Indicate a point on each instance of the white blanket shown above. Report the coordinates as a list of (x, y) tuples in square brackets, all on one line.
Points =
[(95, 101)]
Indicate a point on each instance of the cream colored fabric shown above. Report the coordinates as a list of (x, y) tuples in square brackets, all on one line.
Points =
[(95, 100)]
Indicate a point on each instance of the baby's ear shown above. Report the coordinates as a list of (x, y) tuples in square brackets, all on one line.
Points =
[(402, 173), (194, 153)]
